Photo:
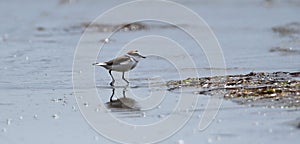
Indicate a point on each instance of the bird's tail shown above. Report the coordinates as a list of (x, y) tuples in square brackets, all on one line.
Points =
[(99, 64)]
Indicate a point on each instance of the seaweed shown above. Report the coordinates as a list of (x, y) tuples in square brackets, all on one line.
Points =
[(277, 89)]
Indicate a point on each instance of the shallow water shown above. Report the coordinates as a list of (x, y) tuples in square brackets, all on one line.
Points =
[(38, 41)]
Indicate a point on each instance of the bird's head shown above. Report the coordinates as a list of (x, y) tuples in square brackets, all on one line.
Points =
[(135, 53)]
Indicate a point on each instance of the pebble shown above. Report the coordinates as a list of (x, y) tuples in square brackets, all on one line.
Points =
[(55, 116), (8, 121), (4, 130), (106, 40), (143, 114), (35, 116), (74, 108), (86, 104), (180, 142)]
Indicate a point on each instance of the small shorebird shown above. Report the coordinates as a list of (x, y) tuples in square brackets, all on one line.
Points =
[(121, 64)]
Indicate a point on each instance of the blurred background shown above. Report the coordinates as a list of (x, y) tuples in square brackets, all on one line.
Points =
[(38, 39)]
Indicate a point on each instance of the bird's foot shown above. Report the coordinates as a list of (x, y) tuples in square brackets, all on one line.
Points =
[(112, 83)]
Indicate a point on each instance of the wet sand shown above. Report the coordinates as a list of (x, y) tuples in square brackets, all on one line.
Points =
[(38, 41)]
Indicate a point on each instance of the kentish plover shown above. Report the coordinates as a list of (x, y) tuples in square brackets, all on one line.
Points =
[(122, 64)]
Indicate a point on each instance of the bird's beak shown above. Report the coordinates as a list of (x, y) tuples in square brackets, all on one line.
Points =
[(141, 56)]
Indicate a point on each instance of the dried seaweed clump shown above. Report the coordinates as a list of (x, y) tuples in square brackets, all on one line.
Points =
[(278, 89), (288, 29), (111, 28)]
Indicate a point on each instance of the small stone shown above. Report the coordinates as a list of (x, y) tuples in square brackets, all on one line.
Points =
[(54, 100), (298, 126), (4, 130), (180, 142), (35, 116), (40, 28), (8, 121), (86, 104), (55, 116), (106, 40), (74, 108), (143, 114)]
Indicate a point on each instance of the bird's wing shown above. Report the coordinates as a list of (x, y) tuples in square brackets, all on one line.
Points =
[(119, 60)]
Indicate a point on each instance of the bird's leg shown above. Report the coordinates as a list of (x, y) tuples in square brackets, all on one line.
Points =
[(113, 80), (124, 92), (125, 79), (112, 95)]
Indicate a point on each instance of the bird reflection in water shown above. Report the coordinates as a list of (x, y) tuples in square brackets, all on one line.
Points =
[(122, 102)]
